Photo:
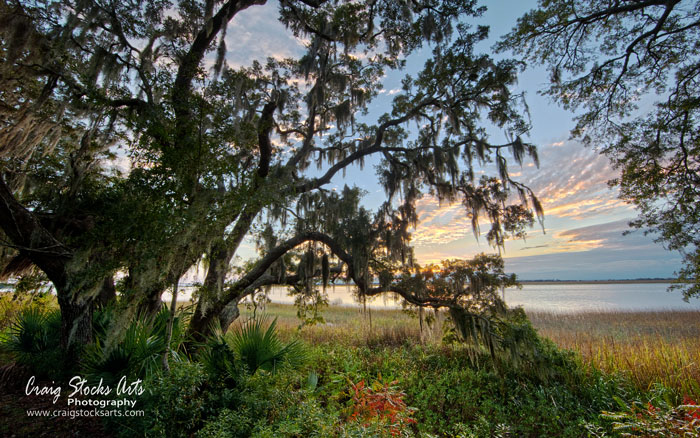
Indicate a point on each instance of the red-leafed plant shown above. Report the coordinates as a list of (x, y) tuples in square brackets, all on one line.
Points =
[(658, 421), (692, 411), (381, 404)]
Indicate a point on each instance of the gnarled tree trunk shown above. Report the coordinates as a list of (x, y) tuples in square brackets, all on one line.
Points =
[(76, 322), (38, 244)]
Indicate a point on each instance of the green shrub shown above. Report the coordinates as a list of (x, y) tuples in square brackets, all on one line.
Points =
[(280, 406), (195, 398), (296, 417), (138, 354), (228, 424), (219, 360), (261, 348), (456, 396), (173, 405), (33, 340)]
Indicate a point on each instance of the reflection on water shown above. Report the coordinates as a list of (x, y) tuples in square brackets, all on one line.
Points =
[(340, 296), (581, 297), (545, 297), (548, 297)]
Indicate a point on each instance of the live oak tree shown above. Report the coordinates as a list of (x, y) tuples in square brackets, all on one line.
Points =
[(609, 60), (218, 153)]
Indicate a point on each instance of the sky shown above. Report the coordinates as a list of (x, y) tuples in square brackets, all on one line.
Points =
[(584, 220)]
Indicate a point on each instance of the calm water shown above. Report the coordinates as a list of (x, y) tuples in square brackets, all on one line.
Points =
[(581, 297), (549, 297)]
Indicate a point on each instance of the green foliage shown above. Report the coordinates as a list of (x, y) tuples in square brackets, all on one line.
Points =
[(658, 417), (219, 360), (228, 424), (258, 346), (33, 340), (191, 402), (138, 353), (267, 407), (491, 403), (174, 404), (309, 304), (454, 394)]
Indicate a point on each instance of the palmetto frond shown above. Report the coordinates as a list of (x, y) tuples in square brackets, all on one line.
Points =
[(257, 344)]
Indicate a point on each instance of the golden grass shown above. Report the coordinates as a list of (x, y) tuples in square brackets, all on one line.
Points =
[(647, 347), (349, 326)]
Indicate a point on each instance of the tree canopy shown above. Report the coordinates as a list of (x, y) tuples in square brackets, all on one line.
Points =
[(609, 60), (217, 153)]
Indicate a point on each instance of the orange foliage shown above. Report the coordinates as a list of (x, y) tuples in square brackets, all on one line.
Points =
[(382, 403)]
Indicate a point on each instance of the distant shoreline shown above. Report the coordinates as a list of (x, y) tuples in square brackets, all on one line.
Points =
[(567, 282)]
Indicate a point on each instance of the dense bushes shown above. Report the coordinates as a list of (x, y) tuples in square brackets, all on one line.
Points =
[(32, 340), (137, 353), (248, 383), (442, 392), (188, 402)]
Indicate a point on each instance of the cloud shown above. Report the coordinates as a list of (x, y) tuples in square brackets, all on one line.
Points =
[(595, 252), (587, 208), (256, 34), (571, 183), (616, 235), (440, 223), (597, 264), (524, 248)]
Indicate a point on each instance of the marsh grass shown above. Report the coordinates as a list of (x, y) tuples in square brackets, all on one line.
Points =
[(647, 347), (349, 326)]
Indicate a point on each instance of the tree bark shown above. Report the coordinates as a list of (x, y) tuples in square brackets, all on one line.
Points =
[(169, 330), (76, 323), (108, 292), (206, 315), (228, 315), (34, 241), (152, 304)]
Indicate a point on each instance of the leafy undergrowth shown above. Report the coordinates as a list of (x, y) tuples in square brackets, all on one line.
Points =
[(331, 381), (657, 420), (406, 391), (380, 403)]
